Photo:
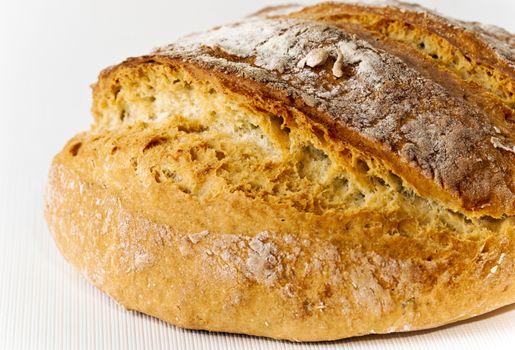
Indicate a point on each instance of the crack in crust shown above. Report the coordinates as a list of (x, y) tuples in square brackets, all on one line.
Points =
[(392, 107)]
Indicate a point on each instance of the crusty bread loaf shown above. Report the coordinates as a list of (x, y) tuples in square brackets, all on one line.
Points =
[(306, 174)]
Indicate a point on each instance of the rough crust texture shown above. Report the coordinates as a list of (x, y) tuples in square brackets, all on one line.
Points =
[(306, 174)]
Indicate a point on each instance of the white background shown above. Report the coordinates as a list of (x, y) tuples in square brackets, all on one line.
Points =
[(50, 51)]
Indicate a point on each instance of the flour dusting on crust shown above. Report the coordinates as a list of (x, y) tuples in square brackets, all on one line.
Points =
[(366, 90), (498, 143)]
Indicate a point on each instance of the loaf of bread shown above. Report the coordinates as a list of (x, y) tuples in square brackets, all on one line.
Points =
[(308, 173)]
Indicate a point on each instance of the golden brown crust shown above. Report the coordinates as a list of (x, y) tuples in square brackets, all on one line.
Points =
[(298, 277), (204, 226)]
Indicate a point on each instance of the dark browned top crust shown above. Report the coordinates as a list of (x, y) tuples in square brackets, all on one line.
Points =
[(444, 142), (444, 145)]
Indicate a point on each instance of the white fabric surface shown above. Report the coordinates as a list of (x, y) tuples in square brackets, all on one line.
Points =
[(50, 52)]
